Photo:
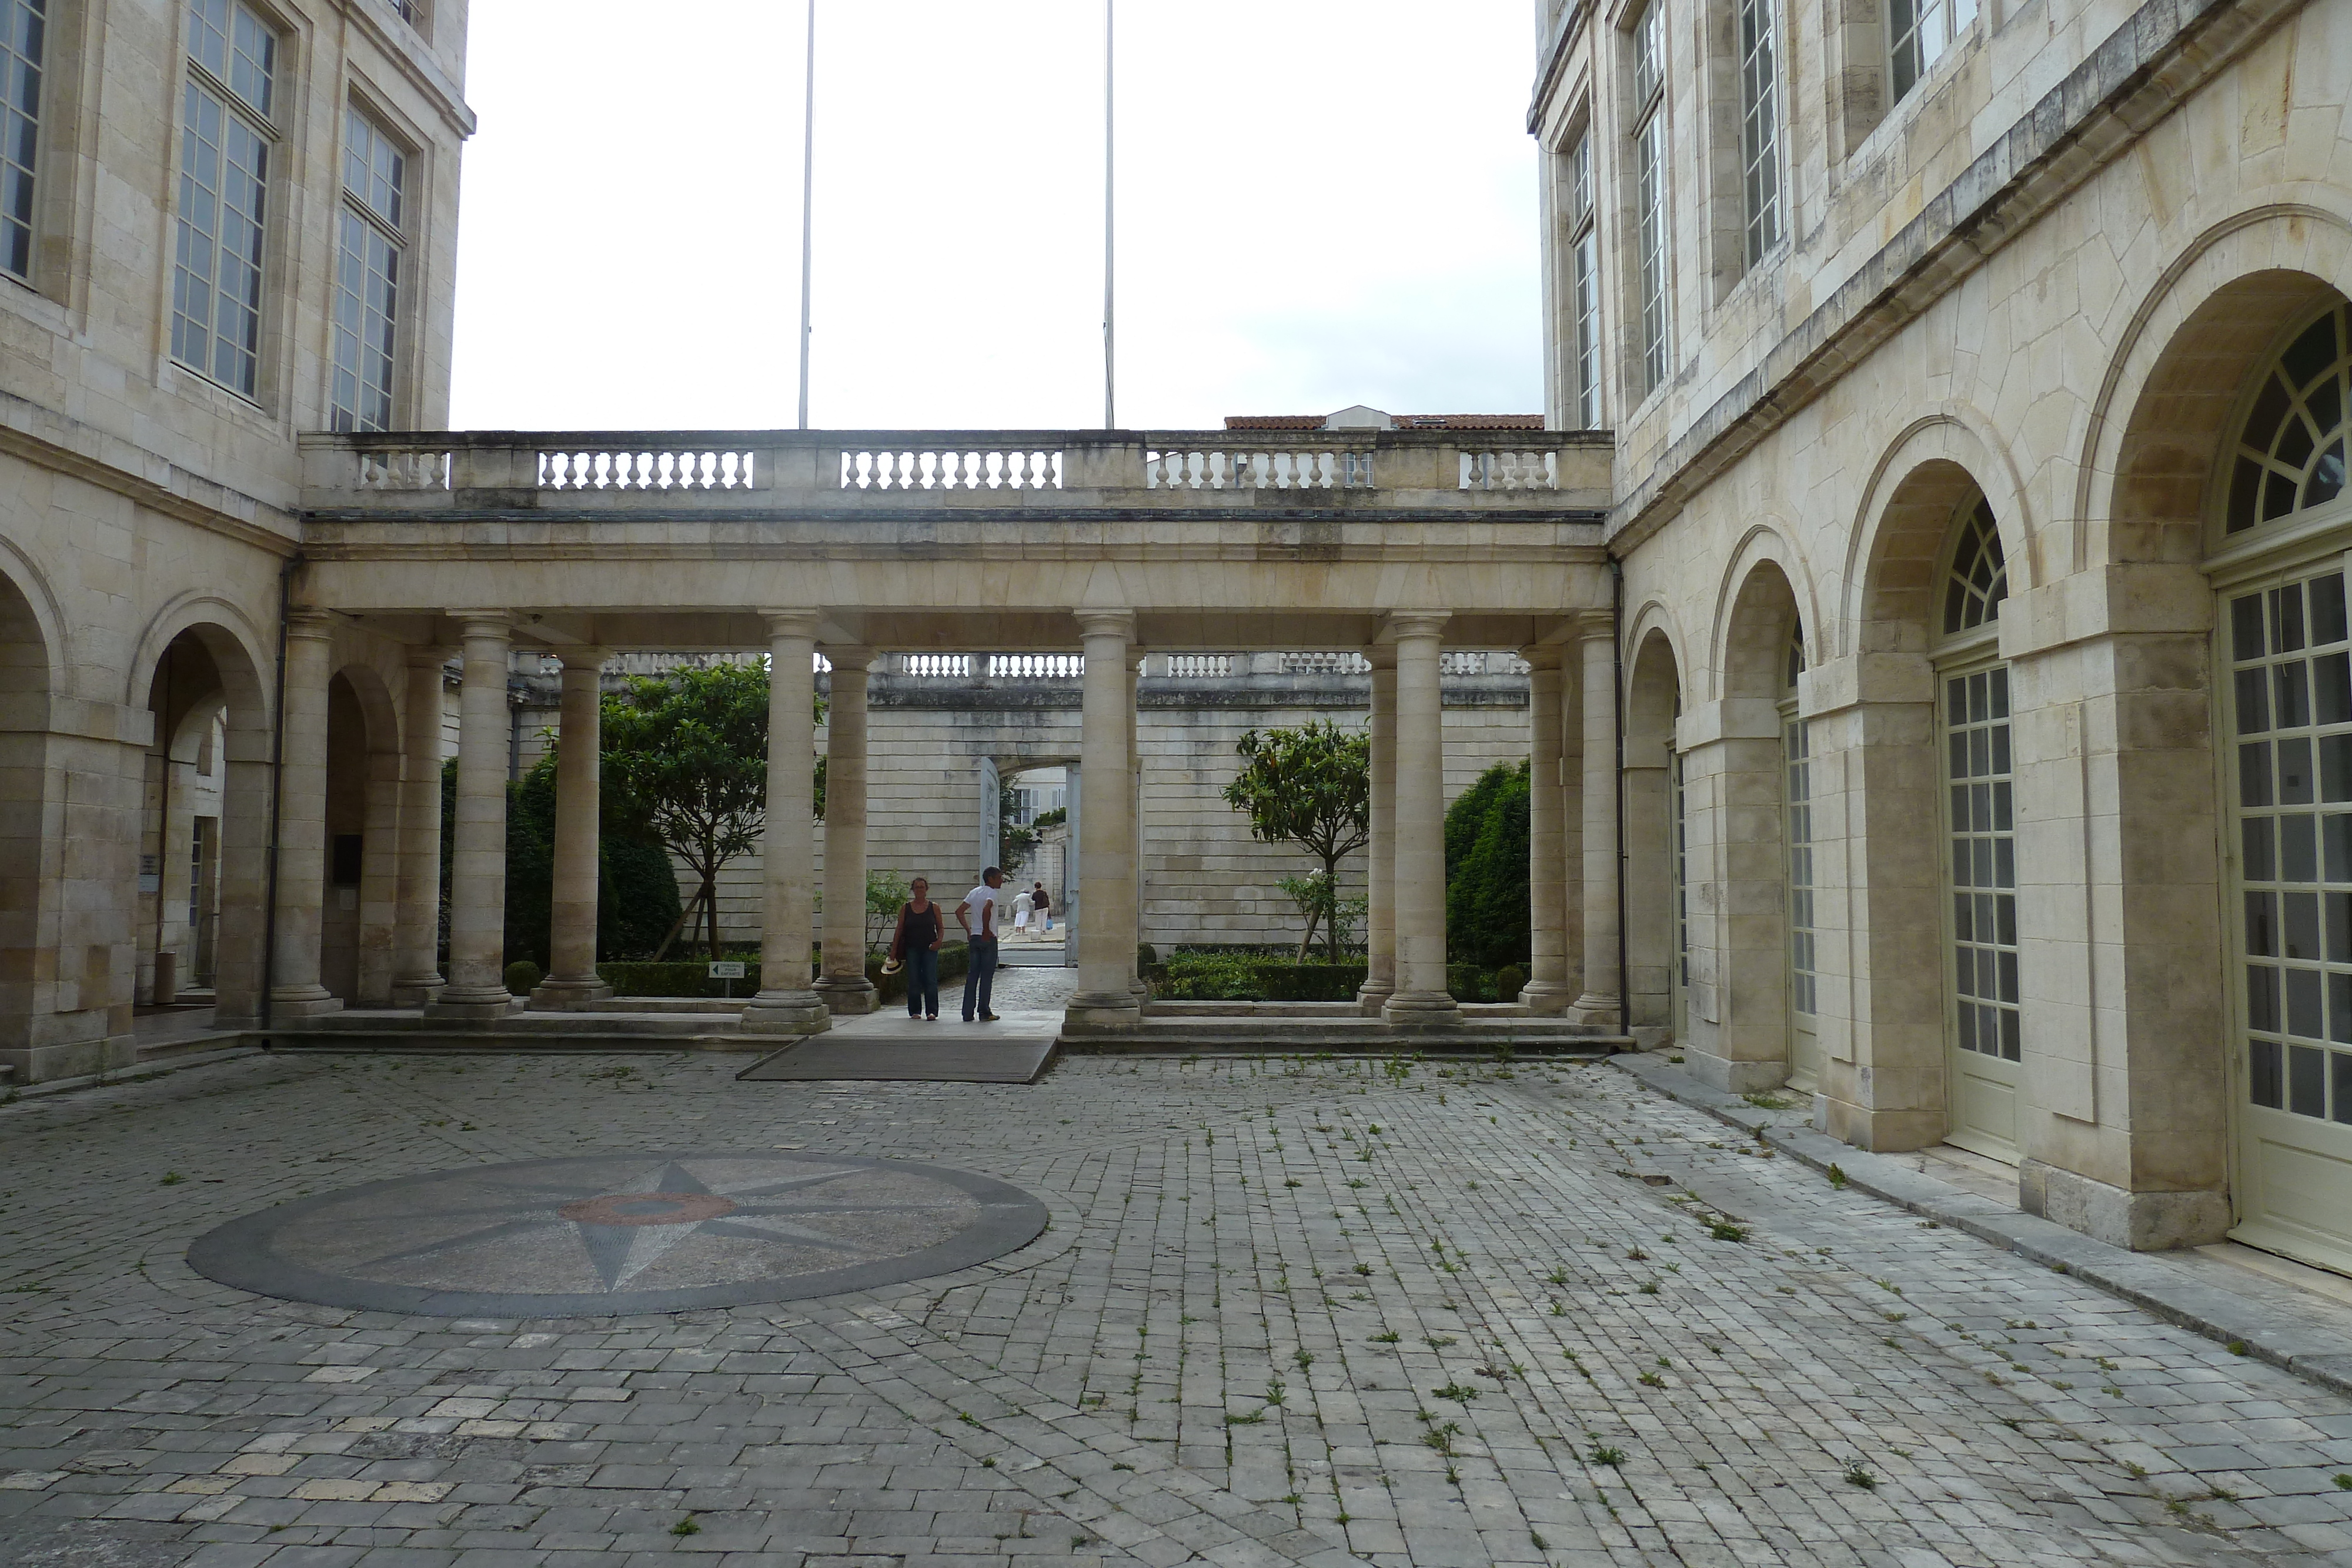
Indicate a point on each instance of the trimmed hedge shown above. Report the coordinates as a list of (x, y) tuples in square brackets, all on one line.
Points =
[(1205, 979), (692, 977)]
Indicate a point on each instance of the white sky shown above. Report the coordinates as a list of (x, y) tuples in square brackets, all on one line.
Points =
[(1320, 202)]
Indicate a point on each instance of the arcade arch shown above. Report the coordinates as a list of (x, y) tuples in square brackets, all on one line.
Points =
[(1658, 968)]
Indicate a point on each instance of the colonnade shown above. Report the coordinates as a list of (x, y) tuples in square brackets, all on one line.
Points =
[(1574, 740)]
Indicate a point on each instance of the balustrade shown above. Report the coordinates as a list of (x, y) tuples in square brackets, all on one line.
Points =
[(999, 470), (1200, 666), (397, 470), (936, 666), (1037, 666), (1511, 471), (1324, 663), (1215, 470), (610, 470)]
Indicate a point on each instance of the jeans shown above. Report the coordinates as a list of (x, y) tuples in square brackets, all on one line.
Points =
[(981, 978), (923, 982)]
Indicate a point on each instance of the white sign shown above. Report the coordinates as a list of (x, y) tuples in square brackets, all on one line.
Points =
[(731, 969)]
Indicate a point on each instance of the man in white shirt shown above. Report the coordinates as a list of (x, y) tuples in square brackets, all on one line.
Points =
[(980, 979)]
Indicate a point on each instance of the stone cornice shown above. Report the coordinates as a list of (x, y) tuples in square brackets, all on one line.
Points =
[(17, 441), (2145, 69)]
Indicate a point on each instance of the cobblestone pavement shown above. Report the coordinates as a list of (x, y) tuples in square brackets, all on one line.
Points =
[(1287, 1311)]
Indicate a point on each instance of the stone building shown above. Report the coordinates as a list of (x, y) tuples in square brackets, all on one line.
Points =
[(1978, 376), (1931, 580)]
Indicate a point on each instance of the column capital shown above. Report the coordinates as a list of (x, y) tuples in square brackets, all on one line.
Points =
[(472, 624), (853, 657), (578, 658), (1119, 623), (1595, 623), (1544, 656), (1399, 624), (310, 622), (791, 623), (1380, 655), (425, 655)]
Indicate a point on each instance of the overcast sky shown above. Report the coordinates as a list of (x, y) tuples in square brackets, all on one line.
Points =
[(1320, 202)]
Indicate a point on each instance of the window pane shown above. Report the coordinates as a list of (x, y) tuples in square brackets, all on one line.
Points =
[(21, 50), (2264, 1087), (216, 288)]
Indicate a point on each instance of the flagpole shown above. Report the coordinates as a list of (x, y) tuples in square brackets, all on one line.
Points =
[(1111, 382), (808, 205)]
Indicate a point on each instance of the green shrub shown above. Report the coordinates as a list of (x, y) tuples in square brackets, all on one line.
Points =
[(637, 897), (1146, 955), (676, 977), (1464, 983), (1508, 982), (1246, 978), (1487, 917), (522, 976)]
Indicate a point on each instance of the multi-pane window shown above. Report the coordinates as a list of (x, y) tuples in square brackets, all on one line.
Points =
[(24, 26), (1650, 188), (1920, 32), (1760, 130), (367, 278), (1983, 863), (225, 137), (1797, 758), (1978, 580), (2292, 701), (1584, 285), (1682, 874), (2291, 453)]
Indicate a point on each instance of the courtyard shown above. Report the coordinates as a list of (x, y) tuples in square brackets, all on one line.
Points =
[(1394, 1310)]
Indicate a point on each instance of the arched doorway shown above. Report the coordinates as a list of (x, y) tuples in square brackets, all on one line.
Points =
[(2281, 520), (1657, 907), (1763, 772), (28, 675)]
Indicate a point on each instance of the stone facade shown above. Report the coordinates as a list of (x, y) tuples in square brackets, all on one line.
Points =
[(2039, 285)]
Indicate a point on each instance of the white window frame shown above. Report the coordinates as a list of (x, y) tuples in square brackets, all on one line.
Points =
[(1584, 285), (363, 218), (209, 82), (20, 179), (1919, 34), (1756, 42), (1652, 200)]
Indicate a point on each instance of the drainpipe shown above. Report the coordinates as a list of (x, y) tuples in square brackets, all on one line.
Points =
[(277, 795), (1617, 706)]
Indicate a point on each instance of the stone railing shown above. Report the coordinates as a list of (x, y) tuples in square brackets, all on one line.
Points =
[(1339, 663), (1037, 666), (652, 472), (1200, 666)]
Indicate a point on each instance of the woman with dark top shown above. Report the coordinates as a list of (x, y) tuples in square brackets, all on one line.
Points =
[(916, 944), (1044, 906)]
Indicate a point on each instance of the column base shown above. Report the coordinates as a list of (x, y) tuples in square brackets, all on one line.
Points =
[(1372, 996), (416, 993), (844, 996), (568, 996), (786, 1012), (1409, 1011), (1599, 1011), (1091, 1012), (473, 1003), (1547, 998), (2140, 1221), (303, 1001)]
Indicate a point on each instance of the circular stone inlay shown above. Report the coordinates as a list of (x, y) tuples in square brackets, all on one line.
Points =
[(597, 1235)]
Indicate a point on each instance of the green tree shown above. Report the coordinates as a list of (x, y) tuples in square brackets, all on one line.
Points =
[(1311, 786), (1014, 841), (636, 889), (885, 892), (1486, 919), (686, 765)]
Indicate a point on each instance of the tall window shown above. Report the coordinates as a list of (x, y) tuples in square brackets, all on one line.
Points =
[(23, 28), (1650, 187), (1982, 819), (367, 277), (1584, 285), (1760, 130), (1921, 31), (225, 137), (1797, 758)]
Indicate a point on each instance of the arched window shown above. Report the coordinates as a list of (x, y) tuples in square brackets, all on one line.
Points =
[(1978, 578), (2291, 449)]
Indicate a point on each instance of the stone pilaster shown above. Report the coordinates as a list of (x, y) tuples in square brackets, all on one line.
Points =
[(1548, 992), (1421, 999), (416, 923), (844, 985), (572, 976), (1597, 648), (787, 1003)]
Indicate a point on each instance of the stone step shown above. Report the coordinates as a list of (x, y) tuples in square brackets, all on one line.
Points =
[(515, 1024)]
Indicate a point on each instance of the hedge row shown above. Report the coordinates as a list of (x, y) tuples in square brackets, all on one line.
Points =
[(1207, 978)]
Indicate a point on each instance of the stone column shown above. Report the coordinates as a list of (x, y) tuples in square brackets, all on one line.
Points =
[(579, 757), (844, 988), (1599, 1004), (416, 923), (478, 861), (1418, 898), (1546, 993), (294, 988), (1105, 995), (787, 1003), (1380, 915), (1135, 982)]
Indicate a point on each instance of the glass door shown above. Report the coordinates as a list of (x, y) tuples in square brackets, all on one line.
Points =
[(2290, 696), (1984, 1045), (1678, 862), (1797, 833)]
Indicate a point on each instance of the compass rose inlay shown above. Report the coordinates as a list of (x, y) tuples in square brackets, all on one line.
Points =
[(608, 1234)]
